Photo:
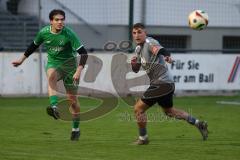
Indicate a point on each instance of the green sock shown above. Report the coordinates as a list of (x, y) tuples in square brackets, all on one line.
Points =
[(75, 122), (53, 100)]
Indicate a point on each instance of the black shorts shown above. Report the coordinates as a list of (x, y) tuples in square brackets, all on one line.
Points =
[(161, 94)]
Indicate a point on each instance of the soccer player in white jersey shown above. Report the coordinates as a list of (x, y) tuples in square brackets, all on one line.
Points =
[(152, 57)]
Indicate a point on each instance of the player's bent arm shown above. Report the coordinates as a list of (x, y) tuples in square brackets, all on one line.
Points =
[(27, 53), (84, 56), (164, 52), (136, 64), (82, 51), (166, 55)]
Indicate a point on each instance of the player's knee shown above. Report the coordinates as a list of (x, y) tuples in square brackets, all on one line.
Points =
[(72, 97), (73, 100), (138, 110), (75, 105), (169, 112), (52, 78)]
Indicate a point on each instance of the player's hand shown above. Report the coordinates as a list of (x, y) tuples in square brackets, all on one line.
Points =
[(134, 60), (17, 63), (168, 59), (135, 66), (77, 74)]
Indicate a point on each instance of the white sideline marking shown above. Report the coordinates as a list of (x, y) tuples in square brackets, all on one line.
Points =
[(228, 102)]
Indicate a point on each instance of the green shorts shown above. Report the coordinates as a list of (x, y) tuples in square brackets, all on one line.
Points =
[(65, 72)]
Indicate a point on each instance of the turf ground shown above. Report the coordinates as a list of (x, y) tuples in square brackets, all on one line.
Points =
[(27, 133)]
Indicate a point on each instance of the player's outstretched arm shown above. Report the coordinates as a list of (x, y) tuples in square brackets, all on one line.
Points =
[(18, 62), (27, 53)]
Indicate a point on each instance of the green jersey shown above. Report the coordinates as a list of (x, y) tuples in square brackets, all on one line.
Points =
[(61, 49), (60, 46)]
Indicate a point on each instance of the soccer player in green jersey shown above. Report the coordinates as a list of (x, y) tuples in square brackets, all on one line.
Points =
[(61, 44), (152, 57)]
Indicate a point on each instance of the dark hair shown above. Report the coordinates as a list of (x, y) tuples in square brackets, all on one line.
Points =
[(138, 25), (55, 12)]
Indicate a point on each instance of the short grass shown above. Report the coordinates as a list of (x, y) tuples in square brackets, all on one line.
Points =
[(27, 133)]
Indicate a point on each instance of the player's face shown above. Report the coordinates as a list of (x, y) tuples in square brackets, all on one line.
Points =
[(57, 23), (139, 35)]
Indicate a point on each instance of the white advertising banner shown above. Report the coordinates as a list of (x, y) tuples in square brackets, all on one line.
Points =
[(21, 80), (206, 71), (190, 72)]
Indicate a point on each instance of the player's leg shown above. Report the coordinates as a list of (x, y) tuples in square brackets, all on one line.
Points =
[(75, 110), (71, 90), (139, 109), (167, 104), (52, 77), (180, 114)]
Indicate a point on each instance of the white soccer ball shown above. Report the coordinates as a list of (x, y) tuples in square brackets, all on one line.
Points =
[(198, 20)]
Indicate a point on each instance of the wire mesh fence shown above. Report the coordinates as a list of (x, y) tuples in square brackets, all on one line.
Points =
[(98, 22)]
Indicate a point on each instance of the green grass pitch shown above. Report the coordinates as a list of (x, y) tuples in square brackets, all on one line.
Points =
[(27, 133)]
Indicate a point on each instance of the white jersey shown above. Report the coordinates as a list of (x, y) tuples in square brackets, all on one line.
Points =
[(152, 62)]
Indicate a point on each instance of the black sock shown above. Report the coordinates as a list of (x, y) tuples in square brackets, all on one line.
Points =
[(142, 131), (191, 120)]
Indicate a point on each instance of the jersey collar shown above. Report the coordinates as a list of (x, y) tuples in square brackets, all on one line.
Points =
[(53, 32)]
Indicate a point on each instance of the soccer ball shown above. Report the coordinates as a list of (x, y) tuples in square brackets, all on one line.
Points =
[(198, 20)]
